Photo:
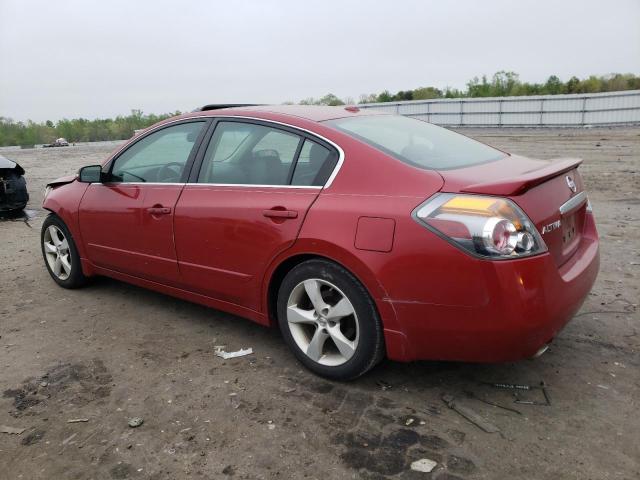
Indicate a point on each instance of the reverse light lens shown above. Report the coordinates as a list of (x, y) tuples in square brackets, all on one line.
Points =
[(499, 236), (526, 242), (490, 227)]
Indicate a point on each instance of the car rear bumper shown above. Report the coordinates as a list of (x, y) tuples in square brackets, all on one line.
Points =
[(529, 301)]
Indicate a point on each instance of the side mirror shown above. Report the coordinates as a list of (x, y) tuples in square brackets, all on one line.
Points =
[(90, 174)]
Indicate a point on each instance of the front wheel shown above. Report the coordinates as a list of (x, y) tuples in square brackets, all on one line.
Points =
[(60, 253), (329, 320)]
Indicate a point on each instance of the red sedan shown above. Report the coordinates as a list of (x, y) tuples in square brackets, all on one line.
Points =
[(360, 234)]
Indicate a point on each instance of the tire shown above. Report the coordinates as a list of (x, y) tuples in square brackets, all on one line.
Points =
[(333, 338), (60, 253)]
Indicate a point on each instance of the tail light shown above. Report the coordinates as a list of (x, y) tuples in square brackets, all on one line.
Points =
[(489, 227)]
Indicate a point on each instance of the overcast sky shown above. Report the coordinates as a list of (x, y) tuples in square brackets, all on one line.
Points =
[(97, 58)]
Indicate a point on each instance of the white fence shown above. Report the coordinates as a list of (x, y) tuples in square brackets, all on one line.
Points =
[(575, 110)]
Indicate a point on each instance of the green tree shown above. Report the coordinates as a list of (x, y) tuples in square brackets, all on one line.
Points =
[(592, 84), (554, 85), (330, 99), (573, 84), (384, 96), (75, 130), (425, 93)]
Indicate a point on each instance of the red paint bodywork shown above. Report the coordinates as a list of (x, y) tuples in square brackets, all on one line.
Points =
[(435, 301)]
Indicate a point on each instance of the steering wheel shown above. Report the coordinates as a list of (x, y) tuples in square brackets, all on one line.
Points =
[(167, 173), (123, 172)]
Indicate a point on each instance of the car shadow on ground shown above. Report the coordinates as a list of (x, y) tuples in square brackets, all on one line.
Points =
[(17, 215), (387, 376), (414, 381)]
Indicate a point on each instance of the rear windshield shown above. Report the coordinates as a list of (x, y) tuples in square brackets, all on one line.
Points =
[(417, 143)]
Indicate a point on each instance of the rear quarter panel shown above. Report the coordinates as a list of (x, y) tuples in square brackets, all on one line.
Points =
[(369, 185)]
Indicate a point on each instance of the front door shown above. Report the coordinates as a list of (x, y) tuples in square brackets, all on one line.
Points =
[(246, 206), (127, 222)]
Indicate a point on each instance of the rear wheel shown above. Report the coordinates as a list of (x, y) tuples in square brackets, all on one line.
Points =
[(329, 320), (60, 253)]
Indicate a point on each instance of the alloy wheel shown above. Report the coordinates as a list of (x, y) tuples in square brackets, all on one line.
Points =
[(323, 322), (56, 249)]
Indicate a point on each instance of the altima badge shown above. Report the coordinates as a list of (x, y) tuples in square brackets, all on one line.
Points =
[(571, 184), (551, 227)]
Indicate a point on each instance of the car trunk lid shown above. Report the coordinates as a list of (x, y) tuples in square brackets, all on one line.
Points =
[(549, 192)]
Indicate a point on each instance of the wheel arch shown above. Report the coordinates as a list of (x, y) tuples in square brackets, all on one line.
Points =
[(64, 202), (396, 343), (277, 276), (74, 269), (307, 250)]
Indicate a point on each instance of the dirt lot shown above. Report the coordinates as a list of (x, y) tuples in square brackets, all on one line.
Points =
[(111, 351)]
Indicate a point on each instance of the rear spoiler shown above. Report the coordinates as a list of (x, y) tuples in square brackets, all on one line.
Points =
[(526, 181)]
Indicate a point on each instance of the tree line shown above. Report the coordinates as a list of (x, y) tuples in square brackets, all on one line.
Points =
[(501, 84), (77, 129)]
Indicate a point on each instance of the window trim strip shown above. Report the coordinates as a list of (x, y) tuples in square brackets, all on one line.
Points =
[(189, 184)]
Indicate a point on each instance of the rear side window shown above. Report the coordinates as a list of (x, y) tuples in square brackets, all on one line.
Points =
[(417, 143), (314, 166), (249, 154)]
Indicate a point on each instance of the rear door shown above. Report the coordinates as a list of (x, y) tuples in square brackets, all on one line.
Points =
[(127, 222), (245, 205)]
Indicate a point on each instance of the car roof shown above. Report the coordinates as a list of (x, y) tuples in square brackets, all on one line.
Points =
[(315, 113)]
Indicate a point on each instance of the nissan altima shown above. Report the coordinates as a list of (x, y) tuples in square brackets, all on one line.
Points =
[(359, 234)]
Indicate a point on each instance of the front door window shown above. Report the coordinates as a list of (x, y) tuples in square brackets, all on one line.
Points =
[(160, 157)]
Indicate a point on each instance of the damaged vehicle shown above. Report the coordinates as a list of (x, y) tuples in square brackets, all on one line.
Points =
[(13, 186), (58, 142), (360, 234)]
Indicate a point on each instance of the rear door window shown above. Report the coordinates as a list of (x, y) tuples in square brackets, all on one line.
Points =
[(314, 166), (249, 154)]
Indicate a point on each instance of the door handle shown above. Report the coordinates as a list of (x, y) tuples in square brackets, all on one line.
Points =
[(159, 210), (280, 213)]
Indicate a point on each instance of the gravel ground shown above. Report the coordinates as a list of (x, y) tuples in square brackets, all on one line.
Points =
[(111, 351)]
